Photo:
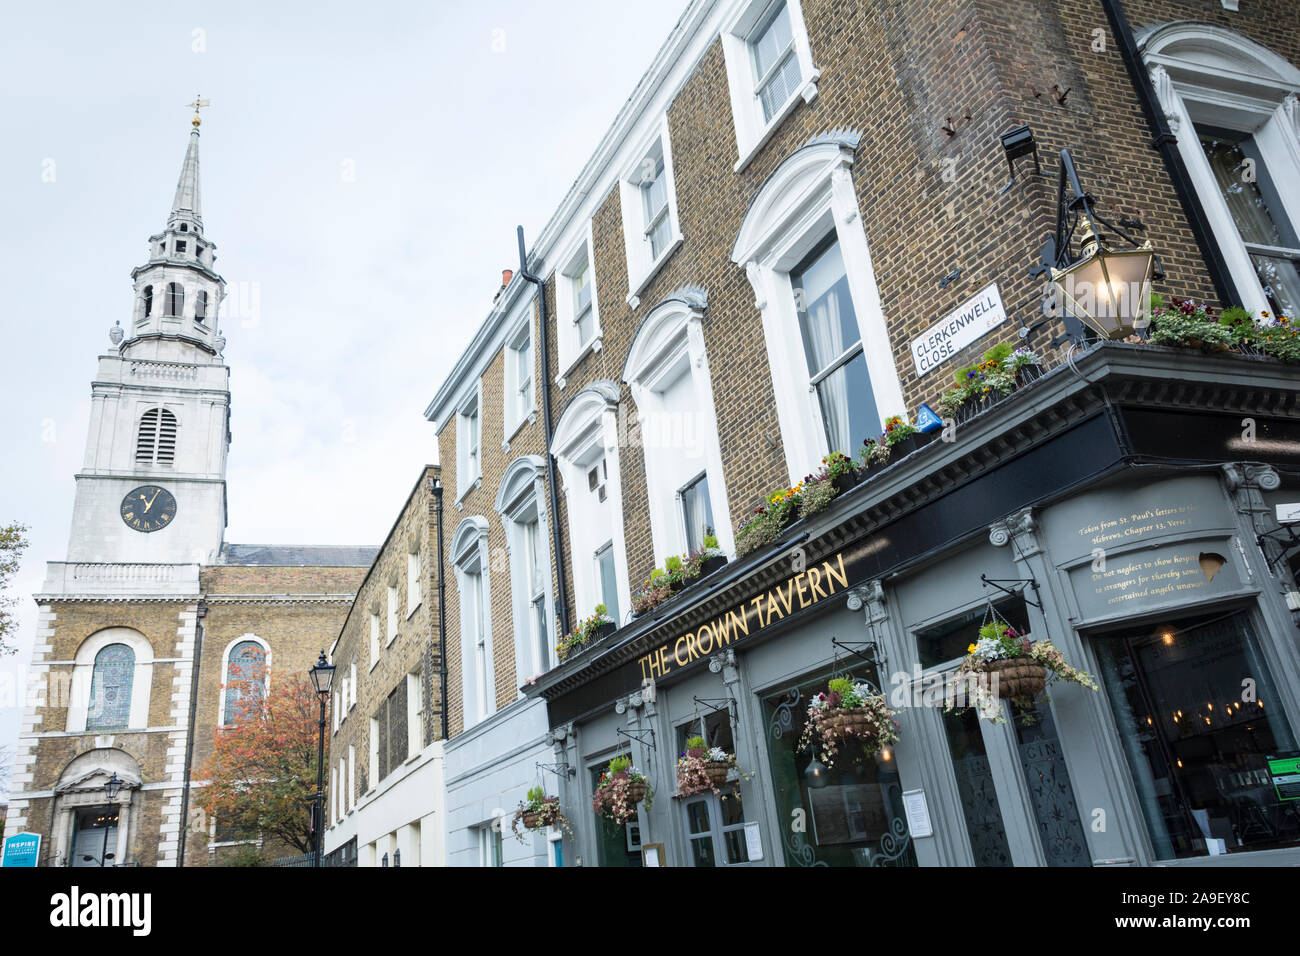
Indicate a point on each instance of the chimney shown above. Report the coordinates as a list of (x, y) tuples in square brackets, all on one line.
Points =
[(506, 276)]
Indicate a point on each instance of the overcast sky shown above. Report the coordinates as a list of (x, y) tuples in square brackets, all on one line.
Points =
[(364, 166)]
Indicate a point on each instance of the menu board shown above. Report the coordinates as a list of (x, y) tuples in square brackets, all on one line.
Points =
[(1285, 772)]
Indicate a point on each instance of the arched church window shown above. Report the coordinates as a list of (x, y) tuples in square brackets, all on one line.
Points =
[(110, 687), (201, 306), (175, 298), (245, 680), (148, 301), (156, 442)]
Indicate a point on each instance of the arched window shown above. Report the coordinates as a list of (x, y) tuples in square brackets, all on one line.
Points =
[(245, 681), (148, 301), (110, 688), (201, 306), (175, 298), (156, 443)]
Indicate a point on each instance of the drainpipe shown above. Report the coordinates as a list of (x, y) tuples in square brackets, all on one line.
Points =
[(561, 602), (442, 609), (1167, 144), (201, 613)]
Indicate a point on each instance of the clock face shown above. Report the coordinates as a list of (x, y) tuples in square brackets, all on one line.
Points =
[(148, 508)]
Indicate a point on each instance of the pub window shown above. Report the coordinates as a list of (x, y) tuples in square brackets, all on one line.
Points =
[(856, 817), (617, 845), (1214, 761), (715, 822)]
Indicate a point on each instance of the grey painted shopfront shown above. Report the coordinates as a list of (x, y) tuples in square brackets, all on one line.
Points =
[(1124, 507)]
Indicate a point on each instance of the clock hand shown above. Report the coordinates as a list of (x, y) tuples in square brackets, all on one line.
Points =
[(151, 500)]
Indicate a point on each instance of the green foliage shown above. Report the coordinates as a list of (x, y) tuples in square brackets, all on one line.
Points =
[(673, 563), (695, 743), (246, 855), (619, 764), (817, 494), (13, 541), (841, 685), (710, 542), (601, 610), (656, 574), (536, 794), (998, 353)]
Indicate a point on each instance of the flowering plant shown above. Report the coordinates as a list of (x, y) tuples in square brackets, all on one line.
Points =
[(537, 811), (999, 641), (818, 490), (620, 788), (769, 519), (583, 633), (836, 464), (849, 708), (1188, 323), (872, 452), (896, 429), (701, 767)]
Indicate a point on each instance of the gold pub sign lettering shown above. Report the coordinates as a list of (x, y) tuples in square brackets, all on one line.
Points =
[(799, 591)]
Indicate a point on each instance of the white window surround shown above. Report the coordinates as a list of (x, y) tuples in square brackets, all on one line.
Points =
[(807, 197), (752, 130), (641, 265), (670, 339), (1213, 76), (469, 474), (522, 499), (390, 632), (83, 670), (374, 754), (374, 637), (225, 666), (515, 415), (350, 795), (352, 688), (587, 427), (469, 554), (414, 586), (571, 353)]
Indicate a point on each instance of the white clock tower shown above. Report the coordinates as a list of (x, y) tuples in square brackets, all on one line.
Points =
[(152, 488)]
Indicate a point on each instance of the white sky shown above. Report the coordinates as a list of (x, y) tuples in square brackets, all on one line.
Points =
[(461, 120)]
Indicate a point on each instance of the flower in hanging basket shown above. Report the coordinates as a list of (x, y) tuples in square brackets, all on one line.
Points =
[(537, 812), (620, 788), (845, 711), (1003, 664), (702, 768)]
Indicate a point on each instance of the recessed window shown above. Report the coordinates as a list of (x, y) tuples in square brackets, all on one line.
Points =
[(650, 225), (413, 589), (519, 402), (201, 306), (110, 688), (578, 324), (1268, 233), (374, 639), (832, 345), (184, 228), (607, 580), (147, 299), (470, 560), (469, 444), (769, 70), (175, 299), (391, 633), (180, 246), (696, 512), (520, 503), (156, 440)]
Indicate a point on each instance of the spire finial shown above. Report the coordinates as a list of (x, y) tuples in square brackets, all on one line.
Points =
[(197, 105)]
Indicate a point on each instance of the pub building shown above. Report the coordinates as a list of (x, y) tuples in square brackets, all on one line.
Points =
[(1125, 506)]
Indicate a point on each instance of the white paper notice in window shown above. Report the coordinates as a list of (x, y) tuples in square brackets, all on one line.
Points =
[(918, 814)]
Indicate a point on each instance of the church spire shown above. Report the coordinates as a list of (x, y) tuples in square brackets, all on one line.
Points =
[(186, 205)]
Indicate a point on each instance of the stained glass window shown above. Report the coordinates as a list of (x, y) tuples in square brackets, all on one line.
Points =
[(245, 680), (110, 687)]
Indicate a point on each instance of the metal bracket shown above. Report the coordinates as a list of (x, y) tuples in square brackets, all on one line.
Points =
[(712, 703), (637, 736), (559, 769), (1023, 582)]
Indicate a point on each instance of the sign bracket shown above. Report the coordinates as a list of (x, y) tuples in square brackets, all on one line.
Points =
[(1023, 582)]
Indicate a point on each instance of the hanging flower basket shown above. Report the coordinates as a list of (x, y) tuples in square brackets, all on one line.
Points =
[(538, 812), (1005, 665), (849, 710), (702, 768), (620, 788)]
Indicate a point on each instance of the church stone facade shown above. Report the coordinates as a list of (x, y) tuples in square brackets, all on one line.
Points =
[(150, 590)]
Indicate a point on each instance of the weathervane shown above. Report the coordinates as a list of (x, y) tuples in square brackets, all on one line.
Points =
[(197, 105)]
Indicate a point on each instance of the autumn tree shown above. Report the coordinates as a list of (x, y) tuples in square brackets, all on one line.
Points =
[(13, 541), (262, 772)]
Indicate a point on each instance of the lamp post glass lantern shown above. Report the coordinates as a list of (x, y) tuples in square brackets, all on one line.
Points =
[(1107, 290), (322, 676)]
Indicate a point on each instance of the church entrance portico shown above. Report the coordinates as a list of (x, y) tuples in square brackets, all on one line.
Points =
[(89, 829)]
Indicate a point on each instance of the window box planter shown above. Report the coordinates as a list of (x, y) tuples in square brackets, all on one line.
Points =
[(1028, 373), (602, 632), (904, 447), (712, 563), (849, 480)]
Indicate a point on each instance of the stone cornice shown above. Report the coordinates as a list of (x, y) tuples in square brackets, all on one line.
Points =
[(209, 599)]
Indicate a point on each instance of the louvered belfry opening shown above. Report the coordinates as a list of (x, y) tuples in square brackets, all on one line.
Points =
[(157, 441)]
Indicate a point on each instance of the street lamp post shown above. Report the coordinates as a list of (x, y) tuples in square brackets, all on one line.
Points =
[(112, 787), (322, 676)]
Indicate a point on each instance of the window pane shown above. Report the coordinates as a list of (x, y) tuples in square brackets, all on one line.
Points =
[(948, 641), (737, 848), (702, 852), (659, 237), (780, 87), (848, 405), (1198, 748), (771, 41), (697, 513), (979, 799), (697, 816), (608, 584), (110, 687), (586, 326), (245, 680), (857, 818), (1060, 831)]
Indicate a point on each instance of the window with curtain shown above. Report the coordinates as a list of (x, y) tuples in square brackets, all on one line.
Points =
[(1202, 728), (1251, 195), (837, 366), (697, 512), (245, 681), (776, 68), (110, 688), (607, 580), (535, 575), (583, 315)]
